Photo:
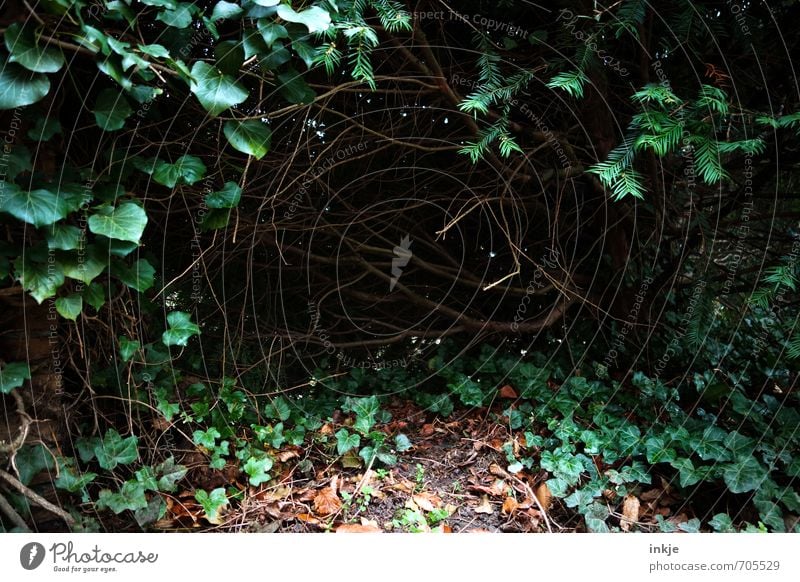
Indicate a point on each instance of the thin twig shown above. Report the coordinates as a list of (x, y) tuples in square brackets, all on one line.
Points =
[(36, 498)]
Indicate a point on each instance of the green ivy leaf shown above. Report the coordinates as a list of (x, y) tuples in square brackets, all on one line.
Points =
[(402, 443), (125, 222), (147, 477), (722, 523), (111, 110), (251, 137), (114, 450), (169, 475), (127, 347), (155, 510), (745, 475), (38, 207), (130, 496), (315, 18), (25, 50), (44, 128), (95, 295), (187, 169), (212, 503), (271, 31), (225, 10), (20, 87), (180, 329), (294, 88), (63, 237), (178, 17), (70, 307), (31, 460), (215, 91), (346, 441), (257, 469), (69, 479), (85, 267), (154, 50), (206, 438), (139, 276), (13, 376), (228, 197), (37, 279), (279, 409)]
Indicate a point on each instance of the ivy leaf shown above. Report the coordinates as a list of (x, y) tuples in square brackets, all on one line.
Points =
[(70, 480), (346, 441), (257, 469), (70, 307), (271, 31), (402, 443), (228, 197), (125, 222), (25, 50), (114, 450), (279, 409), (38, 207), (95, 295), (127, 347), (155, 509), (140, 276), (225, 10), (215, 91), (111, 110), (294, 88), (251, 137), (31, 460), (170, 473), (13, 375), (130, 496), (147, 478), (315, 18), (20, 87), (83, 267), (745, 475), (722, 523), (37, 279), (188, 169), (212, 503), (178, 17), (44, 128), (206, 438), (154, 50), (63, 237), (180, 329)]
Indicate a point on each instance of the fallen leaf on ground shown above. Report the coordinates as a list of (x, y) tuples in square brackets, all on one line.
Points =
[(485, 506), (307, 518), (326, 502), (630, 512), (509, 506), (358, 528), (284, 456), (427, 430), (507, 392), (497, 470), (544, 496), (427, 501)]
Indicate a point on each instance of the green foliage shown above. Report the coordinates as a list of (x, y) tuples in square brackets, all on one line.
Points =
[(181, 328), (13, 375), (251, 137), (212, 503)]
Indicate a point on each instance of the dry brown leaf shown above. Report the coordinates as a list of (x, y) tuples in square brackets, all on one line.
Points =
[(509, 506), (284, 456), (651, 494), (507, 392), (498, 488), (308, 518), (326, 429), (358, 528), (446, 528), (327, 502), (544, 496), (630, 512), (497, 470), (427, 430), (485, 506), (427, 501)]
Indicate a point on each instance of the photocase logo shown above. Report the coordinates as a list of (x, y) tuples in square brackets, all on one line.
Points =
[(402, 254), (31, 555)]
